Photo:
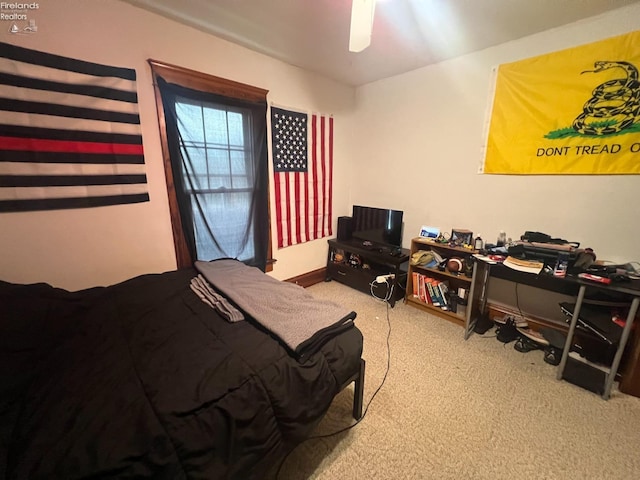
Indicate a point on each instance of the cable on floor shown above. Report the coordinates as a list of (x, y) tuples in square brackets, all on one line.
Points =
[(385, 299)]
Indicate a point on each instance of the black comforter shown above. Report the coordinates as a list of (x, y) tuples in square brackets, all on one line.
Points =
[(143, 380)]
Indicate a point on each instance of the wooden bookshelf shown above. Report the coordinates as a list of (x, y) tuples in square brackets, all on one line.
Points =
[(453, 279)]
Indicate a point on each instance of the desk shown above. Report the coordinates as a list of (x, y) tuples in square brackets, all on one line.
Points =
[(632, 289), (570, 285)]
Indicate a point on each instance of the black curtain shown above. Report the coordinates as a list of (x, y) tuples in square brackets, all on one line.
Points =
[(256, 227)]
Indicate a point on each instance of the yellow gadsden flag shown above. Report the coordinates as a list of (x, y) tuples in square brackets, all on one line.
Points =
[(576, 111)]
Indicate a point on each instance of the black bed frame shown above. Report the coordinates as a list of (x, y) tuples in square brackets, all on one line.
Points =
[(358, 389)]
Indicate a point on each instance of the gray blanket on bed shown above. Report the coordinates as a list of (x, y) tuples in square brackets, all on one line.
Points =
[(300, 320)]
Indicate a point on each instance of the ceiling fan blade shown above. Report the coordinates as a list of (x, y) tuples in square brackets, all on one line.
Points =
[(361, 24)]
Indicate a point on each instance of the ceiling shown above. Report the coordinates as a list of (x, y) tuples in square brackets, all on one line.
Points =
[(407, 34)]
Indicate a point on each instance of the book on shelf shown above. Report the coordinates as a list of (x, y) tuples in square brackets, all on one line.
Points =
[(422, 288), (430, 290), (444, 292), (438, 301), (418, 286), (426, 282), (423, 296)]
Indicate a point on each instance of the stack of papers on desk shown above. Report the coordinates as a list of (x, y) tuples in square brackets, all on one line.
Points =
[(527, 266)]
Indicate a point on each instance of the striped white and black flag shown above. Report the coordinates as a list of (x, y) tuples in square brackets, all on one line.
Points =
[(70, 133)]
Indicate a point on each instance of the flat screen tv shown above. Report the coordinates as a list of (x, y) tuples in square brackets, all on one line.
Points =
[(380, 226)]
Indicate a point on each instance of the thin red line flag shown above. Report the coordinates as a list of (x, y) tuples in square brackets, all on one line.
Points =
[(70, 133)]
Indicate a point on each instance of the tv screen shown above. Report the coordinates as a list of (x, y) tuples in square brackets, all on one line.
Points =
[(379, 226)]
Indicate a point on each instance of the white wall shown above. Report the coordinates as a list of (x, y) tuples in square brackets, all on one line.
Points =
[(100, 246), (413, 142), (419, 148)]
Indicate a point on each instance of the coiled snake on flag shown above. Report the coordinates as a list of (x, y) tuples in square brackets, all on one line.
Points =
[(614, 105)]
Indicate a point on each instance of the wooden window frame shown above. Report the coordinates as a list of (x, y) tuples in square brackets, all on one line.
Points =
[(207, 83)]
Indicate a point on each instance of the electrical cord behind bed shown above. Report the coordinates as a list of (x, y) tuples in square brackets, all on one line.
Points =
[(384, 379)]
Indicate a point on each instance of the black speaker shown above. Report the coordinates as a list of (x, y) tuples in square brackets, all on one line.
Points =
[(344, 228)]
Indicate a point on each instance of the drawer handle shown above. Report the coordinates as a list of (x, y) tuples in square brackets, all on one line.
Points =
[(341, 273)]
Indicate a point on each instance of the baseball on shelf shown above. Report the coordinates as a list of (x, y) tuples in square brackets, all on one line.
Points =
[(455, 265)]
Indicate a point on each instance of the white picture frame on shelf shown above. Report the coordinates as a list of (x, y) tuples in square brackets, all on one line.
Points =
[(429, 232)]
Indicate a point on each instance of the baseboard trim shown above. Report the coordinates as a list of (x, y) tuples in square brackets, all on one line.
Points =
[(499, 310), (310, 278)]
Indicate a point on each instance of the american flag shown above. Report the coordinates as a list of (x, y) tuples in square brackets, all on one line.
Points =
[(70, 133), (302, 150)]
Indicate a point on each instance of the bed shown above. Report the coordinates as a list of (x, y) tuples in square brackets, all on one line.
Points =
[(143, 379)]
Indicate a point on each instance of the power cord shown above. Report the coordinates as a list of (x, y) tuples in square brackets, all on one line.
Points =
[(384, 379), (387, 297)]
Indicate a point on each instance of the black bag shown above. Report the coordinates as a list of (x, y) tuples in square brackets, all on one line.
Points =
[(542, 238)]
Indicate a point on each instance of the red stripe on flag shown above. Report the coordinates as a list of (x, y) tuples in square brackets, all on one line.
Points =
[(40, 145), (277, 178), (307, 231), (323, 156), (330, 176), (297, 200), (314, 162), (287, 206)]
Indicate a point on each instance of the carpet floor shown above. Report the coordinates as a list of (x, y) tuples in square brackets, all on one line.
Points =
[(456, 409)]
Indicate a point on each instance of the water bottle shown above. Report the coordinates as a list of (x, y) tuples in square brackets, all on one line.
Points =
[(502, 239)]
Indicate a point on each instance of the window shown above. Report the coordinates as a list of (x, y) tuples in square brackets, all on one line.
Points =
[(214, 142), (218, 176)]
